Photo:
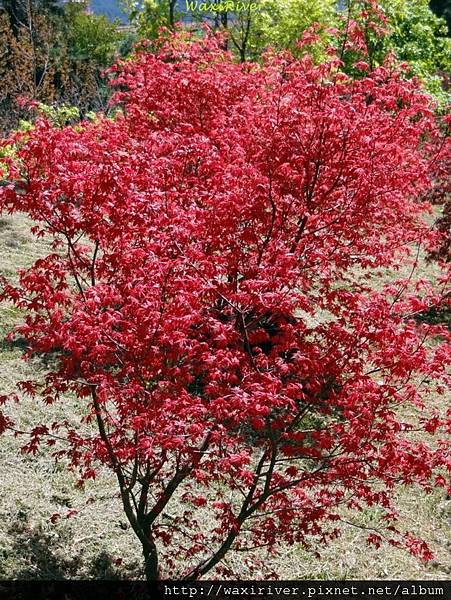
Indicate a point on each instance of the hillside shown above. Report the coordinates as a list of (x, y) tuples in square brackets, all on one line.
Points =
[(110, 8), (113, 9)]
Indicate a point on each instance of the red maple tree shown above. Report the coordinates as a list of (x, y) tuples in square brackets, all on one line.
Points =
[(211, 299)]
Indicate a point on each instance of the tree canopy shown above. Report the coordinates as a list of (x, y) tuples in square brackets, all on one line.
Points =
[(209, 298)]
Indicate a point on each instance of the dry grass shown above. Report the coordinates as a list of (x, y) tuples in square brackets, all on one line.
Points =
[(87, 545)]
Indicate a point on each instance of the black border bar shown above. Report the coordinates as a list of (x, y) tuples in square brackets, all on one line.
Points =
[(226, 590)]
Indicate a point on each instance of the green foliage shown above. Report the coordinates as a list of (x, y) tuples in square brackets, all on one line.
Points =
[(59, 115), (280, 23), (442, 8), (91, 37), (6, 152), (419, 38), (151, 15), (414, 34)]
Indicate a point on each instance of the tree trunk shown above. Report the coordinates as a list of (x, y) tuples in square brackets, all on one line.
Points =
[(150, 552), (172, 4), (150, 561)]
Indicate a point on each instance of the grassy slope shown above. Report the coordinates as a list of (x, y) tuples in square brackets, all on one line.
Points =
[(87, 545)]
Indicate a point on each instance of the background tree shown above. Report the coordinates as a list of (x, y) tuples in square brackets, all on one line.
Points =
[(21, 12), (442, 8), (281, 24), (93, 43), (250, 32), (91, 37), (151, 15), (29, 62), (54, 56), (410, 30), (210, 300)]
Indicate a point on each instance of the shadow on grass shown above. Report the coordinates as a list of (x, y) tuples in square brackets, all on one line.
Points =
[(102, 568), (436, 316), (18, 343), (37, 555), (36, 551)]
